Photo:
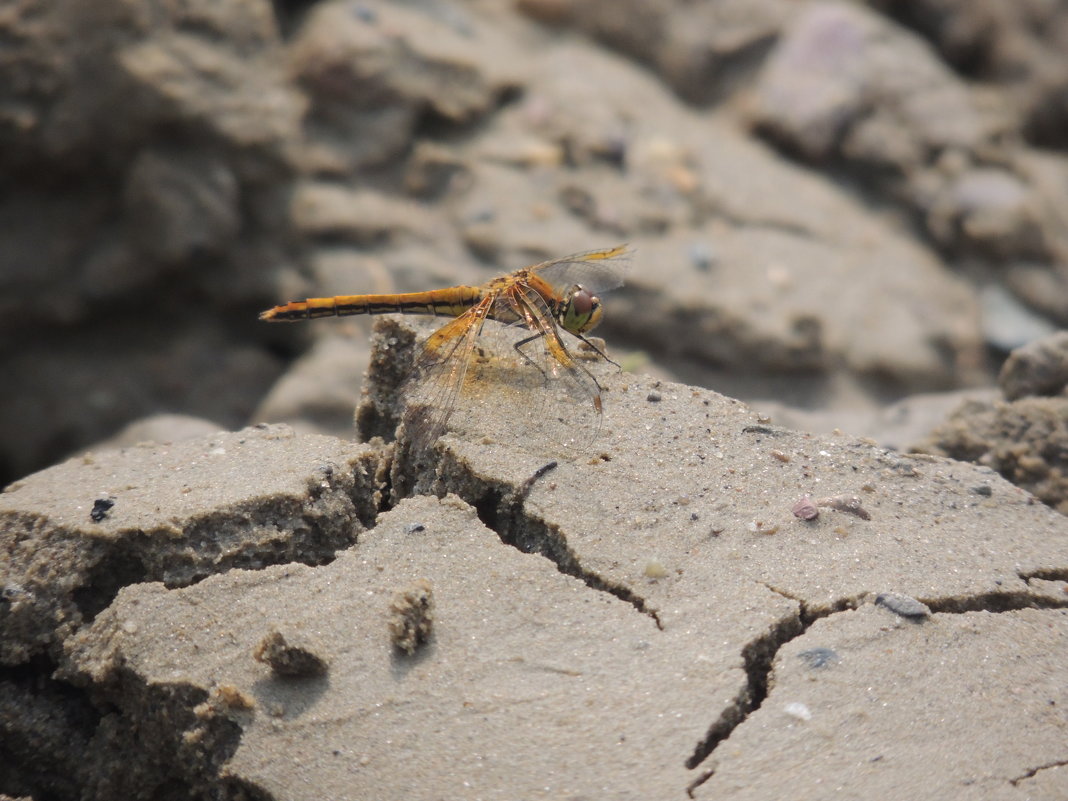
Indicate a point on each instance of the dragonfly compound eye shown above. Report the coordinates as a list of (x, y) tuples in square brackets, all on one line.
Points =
[(581, 311), (581, 301)]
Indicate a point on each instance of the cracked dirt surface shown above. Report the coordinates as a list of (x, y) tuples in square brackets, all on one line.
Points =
[(528, 679), (646, 620), (75, 534), (871, 705)]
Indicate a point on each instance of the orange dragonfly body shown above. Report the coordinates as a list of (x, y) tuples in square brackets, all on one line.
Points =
[(537, 302)]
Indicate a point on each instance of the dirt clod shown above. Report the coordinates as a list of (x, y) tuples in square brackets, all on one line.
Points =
[(411, 616), (290, 661)]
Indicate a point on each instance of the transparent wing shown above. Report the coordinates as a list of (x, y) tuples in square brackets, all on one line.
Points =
[(552, 397), (496, 382), (596, 270), (433, 388)]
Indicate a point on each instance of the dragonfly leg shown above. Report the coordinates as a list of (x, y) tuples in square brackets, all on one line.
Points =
[(574, 366), (596, 350), (519, 349)]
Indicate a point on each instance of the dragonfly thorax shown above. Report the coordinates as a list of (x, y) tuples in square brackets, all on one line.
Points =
[(580, 311)]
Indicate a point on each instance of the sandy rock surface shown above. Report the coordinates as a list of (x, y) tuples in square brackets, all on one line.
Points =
[(638, 620)]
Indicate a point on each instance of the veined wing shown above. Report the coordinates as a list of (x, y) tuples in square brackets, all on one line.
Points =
[(596, 270), (438, 375), (540, 391)]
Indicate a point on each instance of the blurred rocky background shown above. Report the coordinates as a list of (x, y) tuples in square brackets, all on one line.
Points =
[(847, 214)]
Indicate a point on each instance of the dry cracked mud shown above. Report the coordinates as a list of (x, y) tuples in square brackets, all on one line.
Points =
[(645, 619)]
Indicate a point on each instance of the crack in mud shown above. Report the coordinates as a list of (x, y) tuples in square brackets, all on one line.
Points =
[(502, 511), (994, 602), (1046, 574), (759, 654), (757, 657), (501, 508), (308, 532), (1060, 763), (65, 717)]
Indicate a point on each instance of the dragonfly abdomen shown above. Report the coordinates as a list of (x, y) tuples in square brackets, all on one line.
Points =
[(450, 302)]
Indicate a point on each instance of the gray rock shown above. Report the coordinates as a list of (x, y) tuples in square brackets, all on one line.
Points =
[(371, 71), (704, 51), (181, 206), (1017, 47), (151, 152), (802, 275), (1039, 368), (843, 81), (1009, 324)]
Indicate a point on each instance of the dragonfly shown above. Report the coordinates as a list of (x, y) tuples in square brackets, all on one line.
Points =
[(536, 305)]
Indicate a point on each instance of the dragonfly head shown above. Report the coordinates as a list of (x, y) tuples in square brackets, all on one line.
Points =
[(581, 310)]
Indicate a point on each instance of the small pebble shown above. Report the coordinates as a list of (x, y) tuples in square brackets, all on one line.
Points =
[(798, 710), (806, 509), (101, 507), (655, 569), (760, 527), (365, 14), (903, 605), (702, 256), (817, 658)]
